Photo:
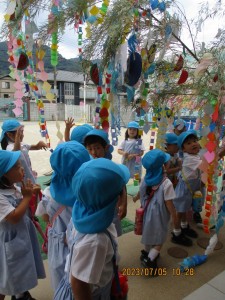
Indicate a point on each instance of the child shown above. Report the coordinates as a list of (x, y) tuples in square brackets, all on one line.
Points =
[(174, 164), (97, 143), (189, 179), (78, 133), (57, 202), (21, 263), (158, 189), (132, 149), (98, 146), (179, 126), (96, 186), (12, 138)]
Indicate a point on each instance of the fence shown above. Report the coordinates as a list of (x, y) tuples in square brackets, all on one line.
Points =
[(60, 112)]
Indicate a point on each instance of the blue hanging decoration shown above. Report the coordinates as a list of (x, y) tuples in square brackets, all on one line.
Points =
[(161, 6), (132, 43), (154, 4), (168, 31), (130, 93)]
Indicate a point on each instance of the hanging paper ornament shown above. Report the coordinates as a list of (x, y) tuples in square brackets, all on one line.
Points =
[(23, 61), (179, 64), (161, 6), (94, 73), (154, 4), (183, 77), (104, 113), (134, 68)]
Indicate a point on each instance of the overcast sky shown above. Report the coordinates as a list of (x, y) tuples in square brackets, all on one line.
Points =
[(68, 45)]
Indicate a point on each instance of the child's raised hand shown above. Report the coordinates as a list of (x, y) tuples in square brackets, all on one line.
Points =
[(41, 145), (27, 189), (69, 123)]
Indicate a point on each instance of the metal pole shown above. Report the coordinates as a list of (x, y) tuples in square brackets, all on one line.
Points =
[(84, 98)]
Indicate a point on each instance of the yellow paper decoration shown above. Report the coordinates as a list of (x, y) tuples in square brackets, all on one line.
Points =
[(94, 10), (46, 86), (50, 96)]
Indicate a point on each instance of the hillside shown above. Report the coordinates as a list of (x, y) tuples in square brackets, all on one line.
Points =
[(72, 64)]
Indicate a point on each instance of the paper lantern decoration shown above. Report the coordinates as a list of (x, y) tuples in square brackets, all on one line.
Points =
[(23, 62), (134, 68), (94, 73), (183, 77), (104, 113), (179, 64)]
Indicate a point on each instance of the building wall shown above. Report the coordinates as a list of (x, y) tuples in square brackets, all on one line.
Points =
[(7, 92)]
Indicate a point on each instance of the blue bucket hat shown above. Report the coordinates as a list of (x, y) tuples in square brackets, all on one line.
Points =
[(8, 160), (180, 124), (153, 162), (182, 137), (96, 186), (65, 160), (171, 138), (78, 134), (104, 135), (9, 125), (133, 124)]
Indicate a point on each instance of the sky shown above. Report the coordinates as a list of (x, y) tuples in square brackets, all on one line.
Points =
[(68, 43)]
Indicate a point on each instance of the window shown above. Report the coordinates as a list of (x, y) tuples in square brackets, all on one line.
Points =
[(69, 88), (5, 85), (6, 96)]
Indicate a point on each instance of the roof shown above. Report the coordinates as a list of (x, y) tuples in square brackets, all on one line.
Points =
[(66, 76)]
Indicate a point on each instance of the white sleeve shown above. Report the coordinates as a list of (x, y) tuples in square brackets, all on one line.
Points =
[(10, 147), (88, 259), (41, 210), (5, 207), (169, 192), (121, 146)]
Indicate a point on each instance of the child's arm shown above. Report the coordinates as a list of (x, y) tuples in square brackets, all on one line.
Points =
[(69, 124), (121, 152), (17, 142), (173, 170), (81, 290), (137, 197), (15, 216), (172, 211), (40, 145), (122, 203)]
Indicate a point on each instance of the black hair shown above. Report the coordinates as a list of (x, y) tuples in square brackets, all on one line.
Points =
[(127, 136), (4, 183), (5, 140), (189, 137), (92, 139)]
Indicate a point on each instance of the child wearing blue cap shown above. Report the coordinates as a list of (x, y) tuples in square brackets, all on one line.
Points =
[(189, 179), (21, 263), (95, 236), (174, 164), (156, 194), (78, 133), (57, 203), (12, 139), (132, 149), (98, 146)]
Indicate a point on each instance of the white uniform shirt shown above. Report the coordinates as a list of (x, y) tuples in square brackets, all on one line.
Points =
[(130, 142), (168, 190), (92, 258), (5, 206), (190, 166)]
